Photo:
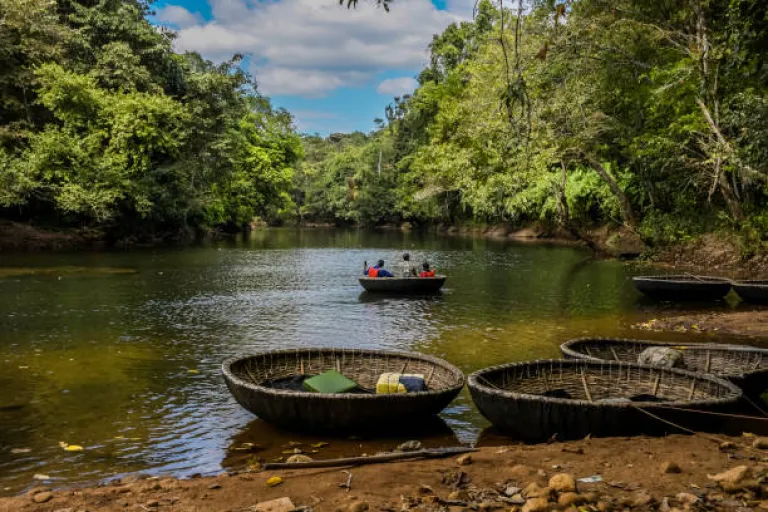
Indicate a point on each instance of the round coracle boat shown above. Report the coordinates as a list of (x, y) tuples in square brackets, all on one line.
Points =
[(571, 399), (405, 285), (745, 366), (682, 287), (251, 381)]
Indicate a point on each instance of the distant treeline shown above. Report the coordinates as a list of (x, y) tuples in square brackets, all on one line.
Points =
[(648, 115)]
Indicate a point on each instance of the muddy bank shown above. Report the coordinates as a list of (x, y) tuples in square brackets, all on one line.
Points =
[(18, 237), (740, 323), (677, 472)]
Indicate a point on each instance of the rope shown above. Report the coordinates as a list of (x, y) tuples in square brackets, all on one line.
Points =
[(753, 404), (710, 413)]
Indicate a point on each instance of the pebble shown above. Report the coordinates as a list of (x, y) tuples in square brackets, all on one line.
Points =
[(536, 505), (732, 476), (761, 443), (360, 506), (571, 499), (214, 486), (727, 445), (517, 499), (42, 497), (604, 506), (642, 499), (670, 467), (511, 491), (299, 458), (409, 446), (562, 482), (152, 504), (464, 460), (278, 505), (687, 498), (741, 485)]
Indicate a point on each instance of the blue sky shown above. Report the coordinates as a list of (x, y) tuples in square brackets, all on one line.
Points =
[(334, 69)]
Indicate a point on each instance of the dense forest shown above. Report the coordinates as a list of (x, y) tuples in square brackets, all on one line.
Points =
[(103, 125), (649, 116)]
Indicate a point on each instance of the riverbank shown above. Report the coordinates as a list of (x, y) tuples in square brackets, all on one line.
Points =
[(641, 473), (739, 323)]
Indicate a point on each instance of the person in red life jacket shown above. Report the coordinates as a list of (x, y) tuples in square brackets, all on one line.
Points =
[(427, 272), (378, 270)]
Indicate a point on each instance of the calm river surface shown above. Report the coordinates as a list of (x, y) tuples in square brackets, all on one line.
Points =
[(120, 352)]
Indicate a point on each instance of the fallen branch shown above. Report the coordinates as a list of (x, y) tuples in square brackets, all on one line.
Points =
[(373, 459)]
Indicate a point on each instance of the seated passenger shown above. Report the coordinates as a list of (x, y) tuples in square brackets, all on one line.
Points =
[(378, 270), (427, 272)]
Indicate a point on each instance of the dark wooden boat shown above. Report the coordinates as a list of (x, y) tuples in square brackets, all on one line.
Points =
[(573, 398), (249, 380), (682, 287), (752, 291), (743, 365), (405, 285)]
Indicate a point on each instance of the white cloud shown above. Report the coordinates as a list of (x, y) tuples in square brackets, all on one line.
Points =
[(311, 47), (397, 86), (178, 17)]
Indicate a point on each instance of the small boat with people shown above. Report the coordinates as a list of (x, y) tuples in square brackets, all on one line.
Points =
[(341, 390), (682, 287), (377, 279), (571, 399), (744, 365), (752, 291)]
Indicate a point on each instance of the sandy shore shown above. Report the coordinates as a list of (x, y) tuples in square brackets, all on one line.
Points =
[(740, 323), (637, 473)]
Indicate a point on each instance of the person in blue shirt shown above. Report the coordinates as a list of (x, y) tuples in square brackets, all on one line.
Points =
[(378, 270)]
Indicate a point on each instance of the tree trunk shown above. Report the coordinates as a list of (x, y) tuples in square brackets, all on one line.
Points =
[(627, 215)]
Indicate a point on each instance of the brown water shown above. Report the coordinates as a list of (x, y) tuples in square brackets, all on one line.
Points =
[(120, 352)]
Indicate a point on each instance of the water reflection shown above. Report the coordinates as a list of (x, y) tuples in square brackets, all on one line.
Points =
[(127, 364)]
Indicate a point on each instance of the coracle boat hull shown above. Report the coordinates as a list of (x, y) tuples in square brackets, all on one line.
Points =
[(514, 399), (752, 291), (403, 285), (745, 366), (682, 287), (344, 412)]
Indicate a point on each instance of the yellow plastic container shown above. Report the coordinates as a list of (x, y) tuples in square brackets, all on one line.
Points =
[(390, 383)]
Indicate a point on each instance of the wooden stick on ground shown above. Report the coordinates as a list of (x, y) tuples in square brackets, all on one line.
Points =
[(374, 459)]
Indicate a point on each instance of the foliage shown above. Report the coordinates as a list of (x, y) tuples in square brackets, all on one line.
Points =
[(103, 125), (651, 115)]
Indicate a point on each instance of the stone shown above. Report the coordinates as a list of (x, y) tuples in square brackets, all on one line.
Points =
[(732, 476), (360, 506), (42, 497), (409, 446), (426, 490), (536, 505), (740, 486), (215, 485), (459, 496), (642, 499), (687, 498), (464, 460), (511, 491), (491, 505), (531, 488), (761, 443), (670, 467), (591, 497), (727, 445), (152, 504), (571, 499), (562, 482), (278, 505), (604, 506), (535, 491), (36, 490), (517, 499), (299, 458)]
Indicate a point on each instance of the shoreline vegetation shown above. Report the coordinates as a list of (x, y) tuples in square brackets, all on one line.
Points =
[(675, 473), (633, 128)]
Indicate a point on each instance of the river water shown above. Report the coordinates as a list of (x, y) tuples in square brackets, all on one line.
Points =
[(120, 352)]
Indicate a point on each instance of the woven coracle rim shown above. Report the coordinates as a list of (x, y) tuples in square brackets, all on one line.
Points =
[(567, 350), (473, 382), (753, 283), (684, 279), (364, 278), (284, 393)]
